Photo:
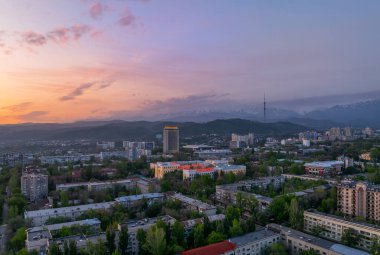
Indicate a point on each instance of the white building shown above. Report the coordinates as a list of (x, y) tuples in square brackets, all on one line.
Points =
[(297, 242), (39, 217), (98, 186), (193, 204), (334, 226)]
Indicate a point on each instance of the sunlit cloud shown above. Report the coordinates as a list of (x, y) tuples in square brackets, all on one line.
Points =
[(17, 107), (81, 89)]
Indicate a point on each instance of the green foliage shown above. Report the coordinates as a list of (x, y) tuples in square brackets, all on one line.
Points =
[(215, 237), (199, 237), (178, 234), (110, 240), (153, 210), (309, 252), (295, 214), (350, 237), (54, 249), (57, 220), (123, 240), (296, 169), (235, 229), (232, 213), (155, 241), (18, 240), (375, 247), (276, 249)]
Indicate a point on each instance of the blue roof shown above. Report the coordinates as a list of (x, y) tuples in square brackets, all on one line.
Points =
[(347, 250)]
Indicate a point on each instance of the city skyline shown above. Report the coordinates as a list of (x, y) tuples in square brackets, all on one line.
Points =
[(66, 61)]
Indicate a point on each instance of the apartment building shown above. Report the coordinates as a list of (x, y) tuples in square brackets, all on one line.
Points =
[(170, 139), (193, 204), (297, 241), (65, 159), (135, 200), (38, 238), (34, 184), (99, 186), (39, 217), (254, 243), (359, 199), (146, 224), (190, 224), (334, 226), (227, 194)]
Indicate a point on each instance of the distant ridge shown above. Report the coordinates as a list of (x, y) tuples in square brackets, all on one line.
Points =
[(139, 129)]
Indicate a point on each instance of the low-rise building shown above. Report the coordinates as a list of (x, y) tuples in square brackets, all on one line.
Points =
[(134, 226), (64, 159), (98, 186), (38, 238), (39, 217), (190, 224), (297, 242), (333, 227), (134, 200), (193, 204), (324, 168), (254, 243)]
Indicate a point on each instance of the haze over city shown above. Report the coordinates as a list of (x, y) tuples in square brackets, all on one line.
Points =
[(63, 61)]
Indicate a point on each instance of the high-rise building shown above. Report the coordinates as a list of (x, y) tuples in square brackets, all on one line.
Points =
[(359, 199), (241, 141), (34, 185), (171, 139)]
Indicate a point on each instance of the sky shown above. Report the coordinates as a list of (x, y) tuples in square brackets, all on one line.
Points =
[(69, 60)]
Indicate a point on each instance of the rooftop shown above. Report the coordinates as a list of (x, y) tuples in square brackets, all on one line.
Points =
[(328, 245), (324, 163), (138, 197), (252, 237), (212, 249)]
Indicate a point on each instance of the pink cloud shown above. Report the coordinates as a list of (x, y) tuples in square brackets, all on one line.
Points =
[(97, 10), (127, 18), (61, 35)]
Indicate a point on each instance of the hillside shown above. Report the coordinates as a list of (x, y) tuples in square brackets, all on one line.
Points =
[(139, 129)]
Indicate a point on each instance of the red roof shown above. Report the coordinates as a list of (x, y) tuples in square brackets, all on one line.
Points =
[(212, 249)]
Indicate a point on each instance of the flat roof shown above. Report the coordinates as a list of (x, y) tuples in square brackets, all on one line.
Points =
[(192, 201), (80, 208), (252, 237), (341, 219), (88, 222), (138, 197), (324, 163)]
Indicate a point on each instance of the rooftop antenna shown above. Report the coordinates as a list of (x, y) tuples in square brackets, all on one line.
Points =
[(265, 108)]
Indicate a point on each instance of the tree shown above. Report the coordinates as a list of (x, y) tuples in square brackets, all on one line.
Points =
[(155, 241), (73, 247), (66, 249), (123, 240), (215, 237), (232, 213), (279, 208), (375, 247), (110, 240), (317, 230), (178, 234), (350, 237), (308, 252), (199, 237), (54, 249), (295, 214), (18, 240), (64, 198), (276, 249), (141, 238), (235, 229)]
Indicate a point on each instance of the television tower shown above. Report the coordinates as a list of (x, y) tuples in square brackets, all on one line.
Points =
[(265, 109)]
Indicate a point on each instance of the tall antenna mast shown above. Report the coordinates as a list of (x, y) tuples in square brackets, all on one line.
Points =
[(265, 108)]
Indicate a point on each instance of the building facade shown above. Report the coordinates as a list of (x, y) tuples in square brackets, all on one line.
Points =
[(171, 140), (297, 242), (324, 168), (359, 199), (334, 226), (34, 185)]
